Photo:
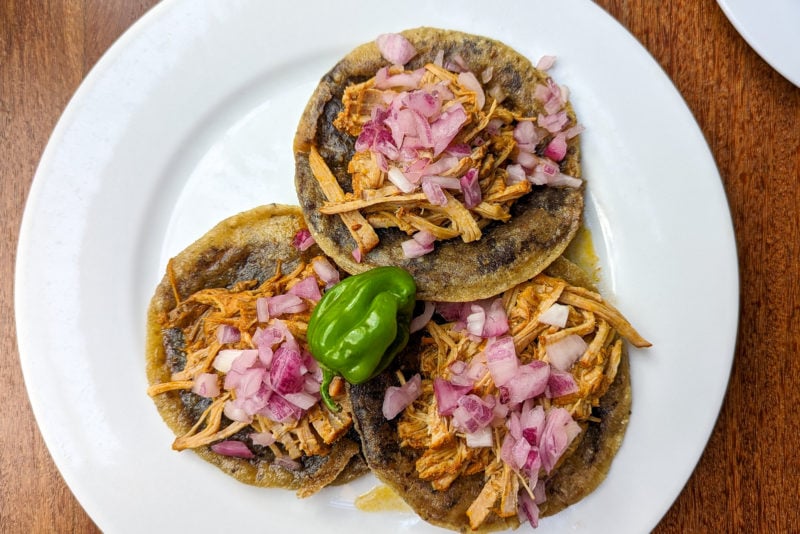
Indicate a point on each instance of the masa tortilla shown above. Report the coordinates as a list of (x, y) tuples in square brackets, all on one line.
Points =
[(542, 224), (579, 474), (246, 246)]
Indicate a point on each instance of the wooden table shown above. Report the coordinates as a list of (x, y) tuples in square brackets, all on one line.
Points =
[(748, 479)]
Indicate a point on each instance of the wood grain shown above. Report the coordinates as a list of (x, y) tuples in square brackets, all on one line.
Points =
[(748, 478)]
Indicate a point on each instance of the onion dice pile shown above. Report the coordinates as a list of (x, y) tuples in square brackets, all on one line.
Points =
[(535, 438), (278, 378), (413, 134)]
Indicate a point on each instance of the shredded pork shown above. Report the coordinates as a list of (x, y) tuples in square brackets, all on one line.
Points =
[(444, 453), (198, 317), (375, 203)]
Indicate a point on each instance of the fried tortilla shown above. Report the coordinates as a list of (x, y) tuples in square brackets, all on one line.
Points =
[(395, 460), (522, 240), (230, 264)]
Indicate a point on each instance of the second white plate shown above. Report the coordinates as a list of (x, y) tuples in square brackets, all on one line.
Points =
[(772, 28)]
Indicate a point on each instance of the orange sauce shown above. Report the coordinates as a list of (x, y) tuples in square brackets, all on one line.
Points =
[(381, 499), (581, 251)]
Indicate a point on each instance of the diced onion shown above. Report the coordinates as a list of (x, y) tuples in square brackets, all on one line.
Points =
[(447, 394), (519, 453), (564, 352), (459, 60), (303, 240), (233, 412), (458, 367), (399, 179), (441, 165), (262, 309), (301, 399), (282, 411), (224, 359), (565, 179), (434, 193), (555, 315), (470, 82), (472, 414), (286, 372), (326, 272), (206, 385), (460, 150), (395, 48), (515, 174), (561, 383), (398, 398), (496, 323), (286, 303), (529, 381), (403, 80), (575, 130), (414, 249), (476, 320), (559, 431), (501, 358), (265, 354), (443, 182), (539, 494), (425, 103), (471, 188), (486, 74), (265, 439), (527, 159), (287, 463), (531, 421), (476, 370), (480, 438), (232, 448), (306, 288), (528, 510), (446, 127), (525, 133), (496, 92), (557, 148), (546, 62), (227, 334), (418, 322), (553, 122), (424, 237)]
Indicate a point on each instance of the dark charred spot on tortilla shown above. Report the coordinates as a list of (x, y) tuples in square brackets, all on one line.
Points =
[(496, 255), (215, 264), (173, 346), (511, 80), (194, 405), (339, 147)]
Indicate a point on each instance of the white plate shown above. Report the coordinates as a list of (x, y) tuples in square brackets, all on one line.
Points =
[(772, 28), (189, 118)]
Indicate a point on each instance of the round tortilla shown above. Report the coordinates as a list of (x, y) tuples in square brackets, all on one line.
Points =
[(246, 246), (542, 224), (577, 476)]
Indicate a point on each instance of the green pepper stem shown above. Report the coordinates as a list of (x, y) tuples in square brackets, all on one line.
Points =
[(324, 389)]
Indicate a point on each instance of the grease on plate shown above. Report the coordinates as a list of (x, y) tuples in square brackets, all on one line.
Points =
[(581, 251), (381, 499)]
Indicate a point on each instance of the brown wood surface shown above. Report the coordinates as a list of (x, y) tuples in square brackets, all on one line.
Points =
[(747, 480)]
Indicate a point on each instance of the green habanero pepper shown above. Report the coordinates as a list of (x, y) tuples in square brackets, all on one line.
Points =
[(360, 325)]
